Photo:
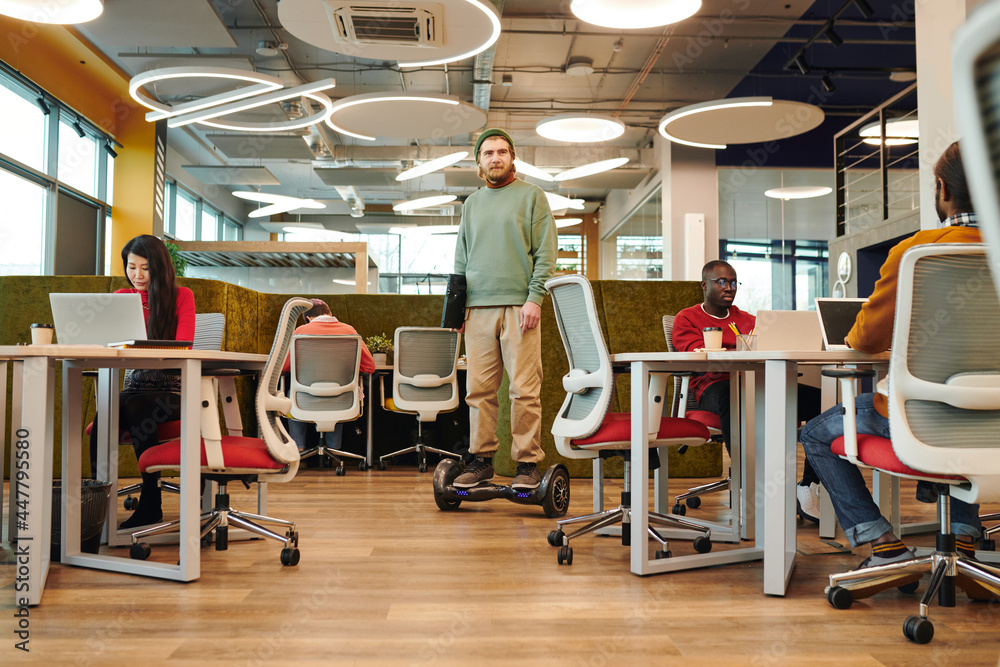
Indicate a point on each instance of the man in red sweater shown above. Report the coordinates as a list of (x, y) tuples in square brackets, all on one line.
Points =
[(711, 390)]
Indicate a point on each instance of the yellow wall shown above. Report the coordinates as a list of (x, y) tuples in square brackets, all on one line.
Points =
[(61, 62)]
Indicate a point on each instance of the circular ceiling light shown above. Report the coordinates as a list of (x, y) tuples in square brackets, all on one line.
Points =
[(591, 169), (424, 202), (432, 166), (267, 83), (567, 222), (798, 192), (739, 120), (580, 128), (404, 116), (64, 12), (634, 13), (900, 132)]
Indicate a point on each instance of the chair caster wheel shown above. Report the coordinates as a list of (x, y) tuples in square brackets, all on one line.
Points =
[(678, 509), (422, 467), (207, 540), (556, 538), (139, 551), (340, 470), (988, 544), (363, 466), (839, 598), (918, 630), (694, 502), (663, 554), (130, 503), (909, 588), (382, 465), (565, 555), (289, 557), (702, 544)]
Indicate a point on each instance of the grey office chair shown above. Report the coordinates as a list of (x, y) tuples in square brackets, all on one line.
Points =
[(944, 412), (324, 388), (424, 383), (685, 405)]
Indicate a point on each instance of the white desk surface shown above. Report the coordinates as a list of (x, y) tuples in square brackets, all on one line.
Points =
[(774, 426)]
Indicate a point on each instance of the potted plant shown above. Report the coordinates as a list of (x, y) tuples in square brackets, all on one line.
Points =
[(380, 346)]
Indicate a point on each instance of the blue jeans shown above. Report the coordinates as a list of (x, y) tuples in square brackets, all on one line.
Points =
[(856, 510)]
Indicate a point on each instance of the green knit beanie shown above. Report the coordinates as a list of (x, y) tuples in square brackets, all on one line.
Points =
[(492, 132)]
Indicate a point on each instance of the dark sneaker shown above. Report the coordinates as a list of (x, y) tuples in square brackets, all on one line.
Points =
[(479, 472), (527, 478)]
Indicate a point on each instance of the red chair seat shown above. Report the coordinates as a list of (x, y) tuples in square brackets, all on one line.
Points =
[(165, 431), (877, 452), (709, 419), (617, 427), (238, 452)]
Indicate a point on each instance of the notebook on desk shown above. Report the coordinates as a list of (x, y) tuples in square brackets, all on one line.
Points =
[(788, 330), (91, 318), (836, 317)]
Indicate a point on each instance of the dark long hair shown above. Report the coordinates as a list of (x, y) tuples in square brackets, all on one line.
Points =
[(162, 288)]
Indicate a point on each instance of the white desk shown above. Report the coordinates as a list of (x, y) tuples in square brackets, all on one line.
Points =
[(34, 421), (773, 482)]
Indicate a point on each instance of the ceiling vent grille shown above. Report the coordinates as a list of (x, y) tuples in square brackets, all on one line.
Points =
[(392, 24)]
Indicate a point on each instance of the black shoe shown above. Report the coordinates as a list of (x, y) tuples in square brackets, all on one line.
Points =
[(527, 478), (480, 471), (149, 511)]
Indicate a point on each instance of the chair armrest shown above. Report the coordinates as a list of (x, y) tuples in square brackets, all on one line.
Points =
[(427, 380), (322, 388), (852, 373), (578, 380), (846, 377), (211, 433)]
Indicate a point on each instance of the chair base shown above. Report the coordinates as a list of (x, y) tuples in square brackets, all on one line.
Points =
[(421, 450), (131, 503), (692, 497), (219, 520), (335, 455)]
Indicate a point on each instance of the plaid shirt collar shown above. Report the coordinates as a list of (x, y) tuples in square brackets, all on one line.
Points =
[(961, 220)]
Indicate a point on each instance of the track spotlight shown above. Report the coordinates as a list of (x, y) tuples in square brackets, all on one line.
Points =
[(800, 62), (865, 9), (831, 35), (79, 129), (43, 106), (828, 84), (110, 149)]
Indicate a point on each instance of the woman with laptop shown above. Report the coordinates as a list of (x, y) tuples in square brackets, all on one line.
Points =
[(151, 397)]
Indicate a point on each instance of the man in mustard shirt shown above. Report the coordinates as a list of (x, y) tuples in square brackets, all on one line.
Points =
[(872, 332), (506, 249)]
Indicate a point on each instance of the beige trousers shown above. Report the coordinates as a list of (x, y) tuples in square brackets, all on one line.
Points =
[(493, 342)]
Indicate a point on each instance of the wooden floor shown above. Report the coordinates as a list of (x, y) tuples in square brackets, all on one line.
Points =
[(387, 578)]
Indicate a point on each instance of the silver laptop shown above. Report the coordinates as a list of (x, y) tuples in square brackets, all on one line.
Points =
[(92, 318), (788, 330), (836, 317)]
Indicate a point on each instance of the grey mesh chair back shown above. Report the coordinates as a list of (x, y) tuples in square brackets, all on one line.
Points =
[(588, 384), (944, 377), (324, 379), (424, 377), (209, 331)]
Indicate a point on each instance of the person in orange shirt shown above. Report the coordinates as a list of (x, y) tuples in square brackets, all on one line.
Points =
[(857, 512)]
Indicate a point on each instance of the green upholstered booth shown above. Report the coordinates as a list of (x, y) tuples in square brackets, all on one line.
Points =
[(630, 313)]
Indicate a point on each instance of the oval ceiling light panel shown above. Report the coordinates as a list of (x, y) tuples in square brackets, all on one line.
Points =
[(739, 120), (798, 192), (432, 166), (901, 132), (580, 128), (626, 14), (528, 169), (591, 169), (567, 222), (63, 12), (424, 202), (404, 116)]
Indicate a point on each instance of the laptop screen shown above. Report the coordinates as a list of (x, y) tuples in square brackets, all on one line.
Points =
[(94, 318), (836, 317)]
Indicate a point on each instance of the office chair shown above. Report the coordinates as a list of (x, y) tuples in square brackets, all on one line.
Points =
[(324, 385), (944, 409), (685, 405), (424, 383), (274, 457), (584, 429)]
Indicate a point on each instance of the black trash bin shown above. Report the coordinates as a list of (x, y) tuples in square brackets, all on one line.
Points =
[(94, 496)]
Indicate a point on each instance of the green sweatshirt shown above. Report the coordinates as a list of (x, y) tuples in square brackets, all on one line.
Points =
[(506, 245)]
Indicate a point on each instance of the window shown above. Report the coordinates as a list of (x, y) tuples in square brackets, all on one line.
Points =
[(77, 159), (22, 128), (184, 216), (22, 228), (572, 254), (639, 242), (230, 230), (778, 275), (209, 225)]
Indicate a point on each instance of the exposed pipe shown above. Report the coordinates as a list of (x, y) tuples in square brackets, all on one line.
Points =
[(653, 57), (482, 71)]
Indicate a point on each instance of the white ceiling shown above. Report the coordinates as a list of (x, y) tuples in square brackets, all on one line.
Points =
[(638, 76)]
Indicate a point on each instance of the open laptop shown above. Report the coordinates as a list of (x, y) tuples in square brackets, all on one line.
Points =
[(788, 330), (836, 317), (92, 318)]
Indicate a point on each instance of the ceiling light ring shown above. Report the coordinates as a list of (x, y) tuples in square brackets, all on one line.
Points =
[(424, 202), (270, 83), (589, 128), (616, 14), (701, 107), (294, 124), (56, 13), (432, 166), (366, 98), (490, 12)]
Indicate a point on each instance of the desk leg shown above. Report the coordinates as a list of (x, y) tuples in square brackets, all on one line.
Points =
[(6, 532), (190, 529), (34, 486), (17, 380), (71, 461), (369, 444), (640, 467), (778, 491)]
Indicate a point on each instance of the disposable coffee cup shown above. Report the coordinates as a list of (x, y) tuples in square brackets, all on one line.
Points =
[(713, 337), (41, 334)]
